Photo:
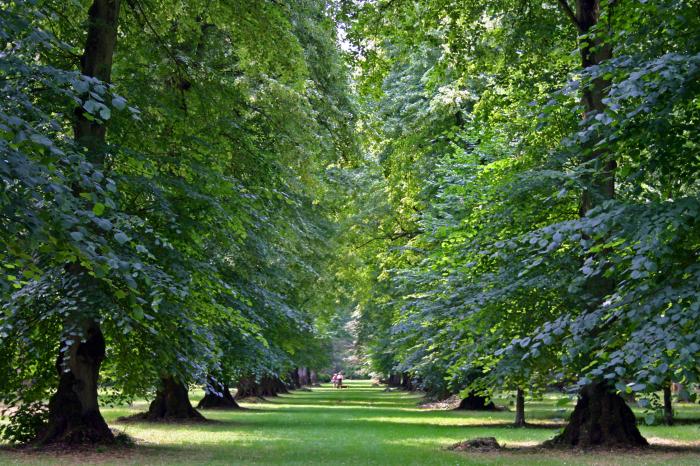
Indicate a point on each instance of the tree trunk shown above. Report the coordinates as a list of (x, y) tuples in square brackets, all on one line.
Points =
[(172, 403), (217, 396), (519, 408), (245, 388), (600, 418), (294, 379), (406, 381), (668, 406), (313, 378), (74, 414), (394, 379), (474, 402), (268, 387), (303, 376), (280, 386)]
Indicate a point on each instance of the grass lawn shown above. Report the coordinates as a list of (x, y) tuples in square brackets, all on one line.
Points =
[(360, 425)]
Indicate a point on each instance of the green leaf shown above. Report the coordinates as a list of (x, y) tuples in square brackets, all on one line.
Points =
[(98, 209), (121, 237)]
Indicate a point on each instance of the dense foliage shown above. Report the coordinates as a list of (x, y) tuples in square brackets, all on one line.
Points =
[(196, 228), (507, 260), (189, 195)]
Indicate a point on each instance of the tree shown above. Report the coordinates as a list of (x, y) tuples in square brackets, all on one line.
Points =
[(534, 249)]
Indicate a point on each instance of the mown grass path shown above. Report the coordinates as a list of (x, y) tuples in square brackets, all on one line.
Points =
[(360, 425)]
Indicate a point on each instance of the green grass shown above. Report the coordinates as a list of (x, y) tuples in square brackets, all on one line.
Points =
[(360, 425)]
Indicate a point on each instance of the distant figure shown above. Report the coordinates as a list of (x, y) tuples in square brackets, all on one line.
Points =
[(334, 379), (339, 380)]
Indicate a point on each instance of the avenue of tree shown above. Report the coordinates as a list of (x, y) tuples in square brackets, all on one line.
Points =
[(480, 195)]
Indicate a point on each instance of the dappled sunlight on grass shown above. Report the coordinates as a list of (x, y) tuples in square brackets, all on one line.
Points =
[(360, 425)]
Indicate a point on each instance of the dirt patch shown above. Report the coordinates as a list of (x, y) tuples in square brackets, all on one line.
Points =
[(446, 404), (143, 417), (477, 444)]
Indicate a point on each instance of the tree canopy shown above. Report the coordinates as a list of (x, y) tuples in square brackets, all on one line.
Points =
[(477, 196)]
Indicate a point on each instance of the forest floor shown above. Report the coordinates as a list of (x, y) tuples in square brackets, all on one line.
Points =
[(363, 425)]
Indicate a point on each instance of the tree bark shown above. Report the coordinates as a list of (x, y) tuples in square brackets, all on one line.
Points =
[(600, 418), (519, 408), (245, 388), (172, 403), (668, 406), (474, 402), (74, 413), (394, 379), (303, 374), (294, 379), (406, 381), (217, 396)]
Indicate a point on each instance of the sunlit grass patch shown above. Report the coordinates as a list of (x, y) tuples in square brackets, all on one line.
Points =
[(360, 425)]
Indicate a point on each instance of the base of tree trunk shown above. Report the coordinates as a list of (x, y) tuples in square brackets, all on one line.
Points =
[(68, 424), (600, 419), (171, 404), (475, 402), (223, 400), (74, 415)]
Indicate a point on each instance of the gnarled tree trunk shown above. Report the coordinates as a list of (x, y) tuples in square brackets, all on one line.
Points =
[(172, 403), (600, 418), (74, 414), (217, 396)]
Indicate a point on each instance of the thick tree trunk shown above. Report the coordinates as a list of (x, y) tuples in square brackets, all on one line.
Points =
[(245, 388), (74, 414), (280, 386), (406, 381), (600, 418), (217, 396), (294, 379), (475, 402), (172, 403), (394, 379), (303, 374), (519, 408), (313, 378), (268, 387), (668, 406)]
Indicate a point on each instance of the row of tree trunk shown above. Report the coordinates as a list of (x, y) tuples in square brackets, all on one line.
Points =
[(172, 402)]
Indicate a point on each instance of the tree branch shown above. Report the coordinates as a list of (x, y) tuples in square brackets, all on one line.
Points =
[(564, 5)]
